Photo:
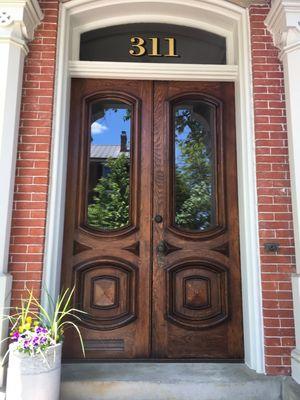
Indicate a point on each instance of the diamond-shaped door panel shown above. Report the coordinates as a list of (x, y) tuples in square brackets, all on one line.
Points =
[(197, 294), (107, 293)]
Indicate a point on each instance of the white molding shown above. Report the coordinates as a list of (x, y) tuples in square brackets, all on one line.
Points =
[(283, 22), (22, 17), (215, 16), (209, 15), (296, 352), (127, 70), (5, 294), (247, 198), (59, 152)]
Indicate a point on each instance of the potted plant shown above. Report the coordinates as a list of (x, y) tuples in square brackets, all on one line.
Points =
[(35, 350)]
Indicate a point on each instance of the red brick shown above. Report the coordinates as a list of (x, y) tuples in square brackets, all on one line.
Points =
[(272, 174)]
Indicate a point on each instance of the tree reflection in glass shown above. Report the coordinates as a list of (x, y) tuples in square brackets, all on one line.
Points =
[(109, 165), (194, 166)]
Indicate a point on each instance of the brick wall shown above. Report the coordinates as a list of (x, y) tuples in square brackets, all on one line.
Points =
[(274, 197), (32, 173), (274, 202)]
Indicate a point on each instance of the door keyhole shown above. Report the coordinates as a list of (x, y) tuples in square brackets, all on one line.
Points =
[(158, 218)]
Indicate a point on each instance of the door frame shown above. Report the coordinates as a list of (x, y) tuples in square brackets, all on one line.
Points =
[(217, 16)]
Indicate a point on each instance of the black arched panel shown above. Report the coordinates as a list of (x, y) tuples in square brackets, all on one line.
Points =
[(153, 43)]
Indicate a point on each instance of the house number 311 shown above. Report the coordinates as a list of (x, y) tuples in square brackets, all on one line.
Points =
[(138, 47)]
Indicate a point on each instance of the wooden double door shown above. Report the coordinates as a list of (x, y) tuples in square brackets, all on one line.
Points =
[(151, 228)]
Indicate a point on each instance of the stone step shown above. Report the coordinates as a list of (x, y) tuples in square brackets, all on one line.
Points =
[(290, 389), (166, 381)]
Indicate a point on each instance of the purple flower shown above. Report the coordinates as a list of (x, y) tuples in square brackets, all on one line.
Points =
[(26, 344), (35, 341), (32, 340), (15, 336), (40, 329)]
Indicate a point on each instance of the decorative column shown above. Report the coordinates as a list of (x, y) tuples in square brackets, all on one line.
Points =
[(18, 19), (283, 22)]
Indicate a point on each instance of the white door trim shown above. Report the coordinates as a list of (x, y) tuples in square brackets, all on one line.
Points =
[(171, 72), (217, 16)]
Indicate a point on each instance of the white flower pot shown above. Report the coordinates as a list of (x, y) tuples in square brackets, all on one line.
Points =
[(34, 377)]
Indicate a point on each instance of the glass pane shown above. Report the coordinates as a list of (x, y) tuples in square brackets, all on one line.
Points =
[(191, 45), (109, 165), (194, 166)]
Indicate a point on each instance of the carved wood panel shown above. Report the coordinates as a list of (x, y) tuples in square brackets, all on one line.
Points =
[(107, 293), (197, 294)]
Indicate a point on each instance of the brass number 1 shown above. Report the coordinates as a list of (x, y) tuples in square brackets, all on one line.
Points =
[(155, 48), (171, 48), (137, 42)]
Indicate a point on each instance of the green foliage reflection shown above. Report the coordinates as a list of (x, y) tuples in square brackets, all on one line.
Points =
[(193, 171), (110, 207)]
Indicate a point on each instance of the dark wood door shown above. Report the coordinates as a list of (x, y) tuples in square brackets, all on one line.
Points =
[(151, 227), (109, 262), (196, 270)]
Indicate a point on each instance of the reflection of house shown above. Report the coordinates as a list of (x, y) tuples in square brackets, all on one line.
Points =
[(98, 159)]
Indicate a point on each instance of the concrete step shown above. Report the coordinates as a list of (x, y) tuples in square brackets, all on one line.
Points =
[(166, 381), (290, 389)]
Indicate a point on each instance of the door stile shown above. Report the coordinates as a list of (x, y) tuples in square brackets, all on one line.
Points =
[(235, 337), (146, 204), (160, 151)]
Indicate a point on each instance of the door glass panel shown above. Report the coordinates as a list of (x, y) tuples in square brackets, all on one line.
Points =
[(108, 203), (194, 169)]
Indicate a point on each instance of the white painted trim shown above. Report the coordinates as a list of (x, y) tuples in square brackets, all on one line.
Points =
[(127, 70), (248, 212), (296, 352), (15, 42), (5, 295), (220, 15), (59, 151)]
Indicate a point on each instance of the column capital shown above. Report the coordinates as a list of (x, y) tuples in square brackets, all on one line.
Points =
[(283, 21), (18, 20)]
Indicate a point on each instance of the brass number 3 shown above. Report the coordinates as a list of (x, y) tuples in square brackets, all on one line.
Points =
[(139, 47), (138, 43)]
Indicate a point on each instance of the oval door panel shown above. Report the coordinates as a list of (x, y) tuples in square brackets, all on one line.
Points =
[(197, 294)]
